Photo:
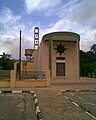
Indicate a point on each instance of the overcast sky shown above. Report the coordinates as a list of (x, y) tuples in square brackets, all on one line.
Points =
[(49, 15)]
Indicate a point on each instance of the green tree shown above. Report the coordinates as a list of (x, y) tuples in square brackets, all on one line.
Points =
[(87, 63), (93, 48), (6, 62)]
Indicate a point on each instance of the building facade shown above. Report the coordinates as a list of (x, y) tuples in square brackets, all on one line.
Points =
[(58, 52)]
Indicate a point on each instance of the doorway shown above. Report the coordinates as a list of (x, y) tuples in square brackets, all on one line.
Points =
[(60, 69)]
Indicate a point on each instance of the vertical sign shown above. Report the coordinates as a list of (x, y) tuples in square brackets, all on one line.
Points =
[(36, 38)]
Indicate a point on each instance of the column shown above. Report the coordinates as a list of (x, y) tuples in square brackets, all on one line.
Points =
[(78, 58), (50, 56)]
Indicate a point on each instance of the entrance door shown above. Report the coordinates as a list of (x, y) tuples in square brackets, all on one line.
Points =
[(60, 69)]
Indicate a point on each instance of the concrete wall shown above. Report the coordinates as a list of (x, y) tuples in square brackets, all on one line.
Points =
[(40, 53), (71, 60), (35, 56), (72, 63), (30, 66), (25, 66), (45, 56), (4, 84), (41, 60)]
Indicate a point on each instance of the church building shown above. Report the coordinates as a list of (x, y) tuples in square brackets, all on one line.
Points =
[(58, 52)]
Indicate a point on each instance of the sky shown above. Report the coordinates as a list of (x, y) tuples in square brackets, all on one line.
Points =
[(50, 16)]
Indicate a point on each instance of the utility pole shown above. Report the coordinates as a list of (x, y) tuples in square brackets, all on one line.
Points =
[(20, 57)]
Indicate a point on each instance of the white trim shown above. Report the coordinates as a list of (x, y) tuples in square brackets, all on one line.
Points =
[(75, 104), (60, 61), (32, 92), (17, 91), (66, 97), (37, 110), (90, 115)]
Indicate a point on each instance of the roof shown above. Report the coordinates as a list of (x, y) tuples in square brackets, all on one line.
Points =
[(64, 33)]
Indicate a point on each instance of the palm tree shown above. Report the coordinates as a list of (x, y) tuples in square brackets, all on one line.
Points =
[(93, 48), (5, 61), (5, 56)]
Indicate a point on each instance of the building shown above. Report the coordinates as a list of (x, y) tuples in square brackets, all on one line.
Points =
[(58, 52)]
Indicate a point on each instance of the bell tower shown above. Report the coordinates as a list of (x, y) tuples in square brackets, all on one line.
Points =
[(36, 38)]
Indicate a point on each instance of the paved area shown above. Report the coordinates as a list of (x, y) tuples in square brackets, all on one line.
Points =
[(17, 107), (53, 104), (86, 101), (82, 83)]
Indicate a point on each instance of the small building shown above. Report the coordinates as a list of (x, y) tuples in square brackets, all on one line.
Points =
[(58, 52)]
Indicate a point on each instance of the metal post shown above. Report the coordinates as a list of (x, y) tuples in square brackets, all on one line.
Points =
[(20, 57)]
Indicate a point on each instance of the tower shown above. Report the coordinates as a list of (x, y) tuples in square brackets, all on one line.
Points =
[(36, 38), (28, 54)]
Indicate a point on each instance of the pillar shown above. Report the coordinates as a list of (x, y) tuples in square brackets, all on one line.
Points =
[(12, 78), (48, 78), (50, 56)]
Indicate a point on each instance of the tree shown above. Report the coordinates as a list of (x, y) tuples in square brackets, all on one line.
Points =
[(6, 62), (87, 63), (5, 56), (93, 48)]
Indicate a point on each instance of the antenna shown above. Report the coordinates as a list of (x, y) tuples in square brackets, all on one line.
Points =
[(36, 38)]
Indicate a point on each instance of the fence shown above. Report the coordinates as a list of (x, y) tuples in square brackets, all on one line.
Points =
[(28, 79), (4, 75), (31, 75)]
